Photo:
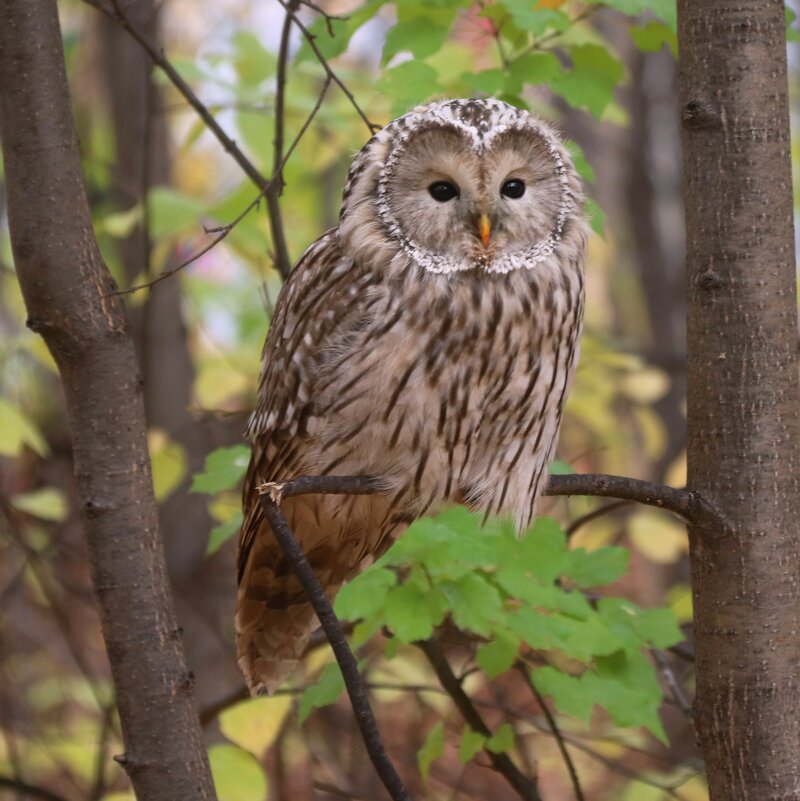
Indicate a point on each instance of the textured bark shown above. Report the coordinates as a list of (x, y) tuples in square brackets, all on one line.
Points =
[(743, 401), (66, 288)]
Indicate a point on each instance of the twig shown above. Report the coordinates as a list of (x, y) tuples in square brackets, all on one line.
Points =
[(310, 38), (331, 789), (29, 789), (551, 721), (276, 182), (501, 762), (116, 12), (224, 230), (325, 15), (593, 515), (671, 680), (344, 656)]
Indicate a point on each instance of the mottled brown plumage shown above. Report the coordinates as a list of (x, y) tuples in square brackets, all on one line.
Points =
[(430, 342)]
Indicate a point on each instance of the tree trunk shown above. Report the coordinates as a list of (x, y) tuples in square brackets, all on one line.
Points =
[(67, 291), (743, 400)]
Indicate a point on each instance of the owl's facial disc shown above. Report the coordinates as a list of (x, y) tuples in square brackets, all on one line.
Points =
[(456, 204)]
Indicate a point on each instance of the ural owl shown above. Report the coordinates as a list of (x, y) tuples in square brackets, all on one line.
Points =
[(430, 339)]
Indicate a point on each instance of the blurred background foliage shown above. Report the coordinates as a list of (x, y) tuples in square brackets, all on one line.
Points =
[(157, 182)]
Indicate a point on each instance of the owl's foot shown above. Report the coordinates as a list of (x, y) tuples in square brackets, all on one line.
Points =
[(272, 488)]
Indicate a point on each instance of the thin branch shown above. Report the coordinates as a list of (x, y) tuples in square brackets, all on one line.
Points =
[(581, 521), (224, 230), (551, 722), (671, 680), (29, 789), (501, 762), (344, 656), (277, 183), (311, 39), (156, 53)]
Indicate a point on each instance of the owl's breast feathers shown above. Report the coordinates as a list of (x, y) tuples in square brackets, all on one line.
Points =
[(450, 387)]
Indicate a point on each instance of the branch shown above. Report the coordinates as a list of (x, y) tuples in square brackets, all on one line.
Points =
[(224, 230), (344, 656), (501, 762), (116, 12), (310, 38), (29, 789), (551, 722), (64, 282)]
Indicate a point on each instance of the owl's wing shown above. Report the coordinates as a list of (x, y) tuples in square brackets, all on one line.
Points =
[(305, 316)]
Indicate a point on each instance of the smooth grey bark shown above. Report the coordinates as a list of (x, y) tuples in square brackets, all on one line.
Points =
[(69, 297), (743, 400)]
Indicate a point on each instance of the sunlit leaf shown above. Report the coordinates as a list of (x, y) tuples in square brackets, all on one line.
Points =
[(327, 690), (471, 743), (171, 211), (591, 82), (237, 774), (47, 503), (254, 724), (168, 461), (17, 430)]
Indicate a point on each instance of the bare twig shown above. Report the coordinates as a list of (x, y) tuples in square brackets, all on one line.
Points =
[(671, 680), (551, 722), (501, 762), (344, 656), (116, 12), (581, 521), (276, 183), (32, 790), (309, 37), (223, 230)]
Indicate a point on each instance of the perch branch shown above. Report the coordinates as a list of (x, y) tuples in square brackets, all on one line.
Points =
[(344, 656), (501, 762)]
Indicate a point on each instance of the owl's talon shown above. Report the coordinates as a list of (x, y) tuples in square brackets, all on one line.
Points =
[(272, 488)]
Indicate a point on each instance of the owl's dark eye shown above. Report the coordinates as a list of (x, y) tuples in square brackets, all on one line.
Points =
[(443, 191), (513, 188)]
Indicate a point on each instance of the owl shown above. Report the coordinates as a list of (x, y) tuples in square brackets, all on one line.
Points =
[(430, 340)]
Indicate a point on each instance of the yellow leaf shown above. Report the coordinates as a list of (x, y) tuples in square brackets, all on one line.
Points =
[(659, 537), (47, 503), (237, 775), (645, 386), (217, 382), (16, 430), (254, 724), (168, 460)]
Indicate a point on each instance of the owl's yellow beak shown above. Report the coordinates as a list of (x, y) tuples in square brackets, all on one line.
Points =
[(484, 229)]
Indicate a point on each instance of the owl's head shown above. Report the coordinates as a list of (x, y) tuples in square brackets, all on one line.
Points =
[(461, 185)]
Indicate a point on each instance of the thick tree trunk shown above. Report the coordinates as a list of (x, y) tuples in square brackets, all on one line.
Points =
[(67, 292), (743, 401)]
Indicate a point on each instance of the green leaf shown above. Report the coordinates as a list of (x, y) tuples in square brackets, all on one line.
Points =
[(168, 463), (657, 627), (408, 84), (327, 690), (365, 594), (502, 740), (421, 37), (591, 82), (488, 82), (237, 774), (557, 467), (471, 743), (597, 217), (569, 693), (17, 430), (498, 655), (47, 503), (432, 749), (220, 534), (223, 469), (533, 69), (474, 602), (171, 211), (792, 34), (535, 20), (341, 29), (252, 61), (650, 38), (412, 613), (594, 568)]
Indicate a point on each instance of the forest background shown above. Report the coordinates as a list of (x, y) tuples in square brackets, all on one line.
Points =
[(162, 190)]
